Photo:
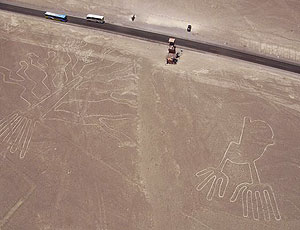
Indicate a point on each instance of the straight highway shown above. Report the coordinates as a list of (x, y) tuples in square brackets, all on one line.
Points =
[(162, 38)]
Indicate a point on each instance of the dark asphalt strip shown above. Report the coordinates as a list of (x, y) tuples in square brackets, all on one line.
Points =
[(198, 46)]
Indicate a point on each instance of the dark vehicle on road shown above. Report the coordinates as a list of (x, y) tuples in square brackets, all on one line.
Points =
[(189, 28)]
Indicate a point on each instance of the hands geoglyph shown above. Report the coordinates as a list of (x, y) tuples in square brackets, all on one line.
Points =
[(258, 199)]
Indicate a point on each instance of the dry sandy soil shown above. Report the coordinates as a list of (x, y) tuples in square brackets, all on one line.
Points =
[(269, 27), (96, 133)]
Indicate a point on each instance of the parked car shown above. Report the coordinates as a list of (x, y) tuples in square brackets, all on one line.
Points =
[(189, 28)]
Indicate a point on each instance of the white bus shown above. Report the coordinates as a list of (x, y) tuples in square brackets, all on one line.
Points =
[(58, 17), (95, 18)]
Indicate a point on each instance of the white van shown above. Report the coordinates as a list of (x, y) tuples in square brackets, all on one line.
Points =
[(95, 18)]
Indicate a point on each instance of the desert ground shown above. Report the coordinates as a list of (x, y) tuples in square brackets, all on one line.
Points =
[(98, 133), (269, 27)]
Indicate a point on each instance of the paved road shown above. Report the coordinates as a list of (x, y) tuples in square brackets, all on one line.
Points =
[(211, 48)]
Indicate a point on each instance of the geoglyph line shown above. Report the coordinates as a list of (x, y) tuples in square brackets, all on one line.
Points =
[(21, 200), (255, 195)]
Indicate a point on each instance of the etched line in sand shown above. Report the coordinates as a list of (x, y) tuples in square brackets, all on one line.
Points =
[(21, 124), (25, 129), (110, 93), (18, 128), (17, 205), (101, 218), (196, 220), (256, 136), (21, 200)]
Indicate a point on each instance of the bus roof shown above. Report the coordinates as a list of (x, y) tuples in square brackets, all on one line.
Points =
[(56, 15), (95, 16)]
